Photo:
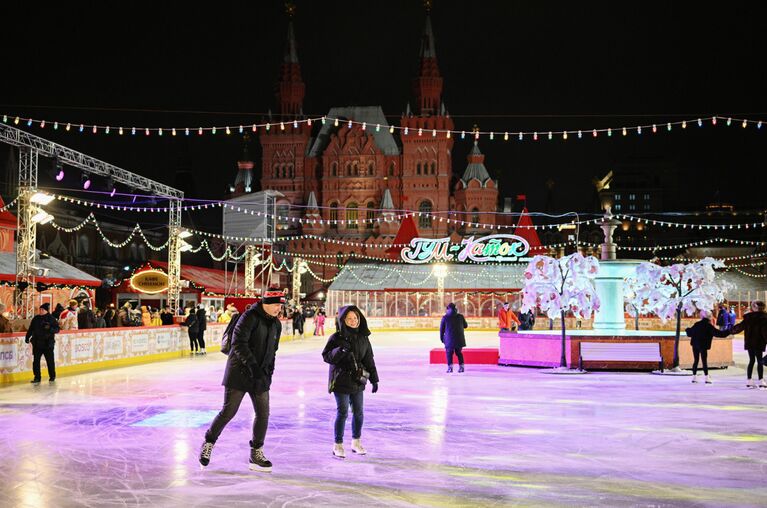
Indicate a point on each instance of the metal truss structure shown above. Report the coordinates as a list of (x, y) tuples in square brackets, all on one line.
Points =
[(251, 261), (31, 148)]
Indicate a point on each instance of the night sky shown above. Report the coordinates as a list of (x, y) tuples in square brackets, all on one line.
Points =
[(506, 66)]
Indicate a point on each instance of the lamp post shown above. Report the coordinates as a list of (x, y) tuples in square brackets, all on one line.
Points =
[(440, 272)]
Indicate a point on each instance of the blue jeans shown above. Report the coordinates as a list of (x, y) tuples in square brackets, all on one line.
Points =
[(343, 400)]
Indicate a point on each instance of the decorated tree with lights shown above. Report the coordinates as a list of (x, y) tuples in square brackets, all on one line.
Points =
[(667, 291), (559, 286), (633, 304)]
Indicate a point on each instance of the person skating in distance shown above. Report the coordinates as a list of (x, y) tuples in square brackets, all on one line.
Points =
[(451, 334), (350, 356)]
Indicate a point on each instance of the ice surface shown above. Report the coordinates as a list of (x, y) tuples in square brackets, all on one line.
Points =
[(493, 436)]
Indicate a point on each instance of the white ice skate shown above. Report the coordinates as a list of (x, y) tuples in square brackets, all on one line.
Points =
[(338, 451), (750, 383), (357, 447), (708, 379), (762, 383), (695, 378)]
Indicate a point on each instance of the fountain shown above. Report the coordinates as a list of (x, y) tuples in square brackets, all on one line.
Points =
[(542, 348)]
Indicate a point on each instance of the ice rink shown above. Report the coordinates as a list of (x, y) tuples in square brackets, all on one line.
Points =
[(492, 436)]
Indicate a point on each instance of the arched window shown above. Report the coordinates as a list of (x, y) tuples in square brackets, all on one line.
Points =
[(351, 216), (370, 215), (424, 221), (475, 215), (333, 215), (283, 171), (291, 173), (340, 258), (356, 169), (276, 170), (391, 169), (418, 169), (334, 169), (371, 169), (433, 167), (348, 169)]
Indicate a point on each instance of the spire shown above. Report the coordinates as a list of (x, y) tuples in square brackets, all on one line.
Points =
[(427, 87), (291, 55), (290, 88), (386, 202), (476, 167), (312, 204), (427, 41), (245, 157)]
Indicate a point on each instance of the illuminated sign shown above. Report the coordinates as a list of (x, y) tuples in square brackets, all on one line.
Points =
[(492, 248), (149, 281)]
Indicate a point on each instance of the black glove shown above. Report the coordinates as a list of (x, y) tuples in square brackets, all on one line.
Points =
[(26, 340), (375, 387)]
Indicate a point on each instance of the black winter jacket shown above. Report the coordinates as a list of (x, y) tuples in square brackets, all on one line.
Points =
[(702, 333), (202, 320), (255, 340), (451, 329), (338, 352), (191, 324), (754, 328), (42, 331)]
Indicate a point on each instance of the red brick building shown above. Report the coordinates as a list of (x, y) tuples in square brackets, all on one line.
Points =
[(335, 172)]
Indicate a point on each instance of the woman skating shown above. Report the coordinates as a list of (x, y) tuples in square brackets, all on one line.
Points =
[(350, 356)]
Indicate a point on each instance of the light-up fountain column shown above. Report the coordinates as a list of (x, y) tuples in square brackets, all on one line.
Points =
[(610, 279)]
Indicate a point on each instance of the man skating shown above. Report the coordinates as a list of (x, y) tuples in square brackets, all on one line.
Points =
[(249, 370)]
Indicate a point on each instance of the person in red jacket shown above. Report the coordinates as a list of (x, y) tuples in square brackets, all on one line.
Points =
[(507, 318)]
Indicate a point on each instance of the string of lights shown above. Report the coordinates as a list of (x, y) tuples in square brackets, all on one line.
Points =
[(506, 135), (754, 275), (693, 244), (656, 222), (386, 216), (727, 258), (9, 204)]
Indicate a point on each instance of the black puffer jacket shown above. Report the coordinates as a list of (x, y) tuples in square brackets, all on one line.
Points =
[(702, 333), (255, 341), (338, 352), (451, 328)]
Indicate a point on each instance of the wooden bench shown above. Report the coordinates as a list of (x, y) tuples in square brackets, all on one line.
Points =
[(619, 352)]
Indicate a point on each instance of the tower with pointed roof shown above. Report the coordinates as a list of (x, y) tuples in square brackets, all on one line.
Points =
[(476, 193), (426, 147), (284, 142)]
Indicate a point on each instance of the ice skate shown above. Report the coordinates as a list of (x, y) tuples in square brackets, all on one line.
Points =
[(258, 461), (205, 451), (338, 451), (357, 447)]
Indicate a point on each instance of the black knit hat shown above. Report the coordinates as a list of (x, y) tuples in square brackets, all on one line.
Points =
[(46, 306)]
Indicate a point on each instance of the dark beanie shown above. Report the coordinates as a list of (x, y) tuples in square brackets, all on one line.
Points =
[(46, 306)]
